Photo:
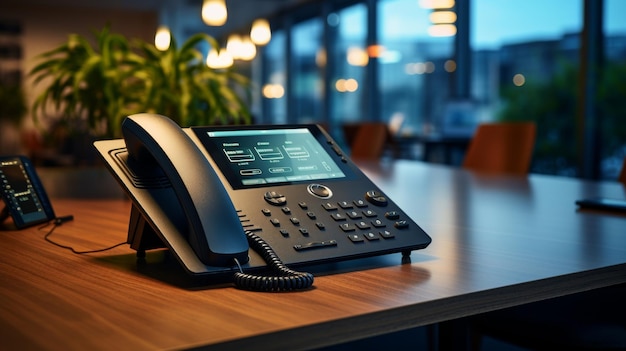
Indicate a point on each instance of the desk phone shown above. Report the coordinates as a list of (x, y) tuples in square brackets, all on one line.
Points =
[(210, 193), (23, 194)]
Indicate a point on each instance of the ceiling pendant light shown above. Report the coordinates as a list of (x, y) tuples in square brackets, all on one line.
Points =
[(162, 38), (219, 59), (260, 33), (214, 12), (234, 46), (248, 50)]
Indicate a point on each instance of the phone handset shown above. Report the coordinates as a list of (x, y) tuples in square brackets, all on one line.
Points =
[(216, 234)]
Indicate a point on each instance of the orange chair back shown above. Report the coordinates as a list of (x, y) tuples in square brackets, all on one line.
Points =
[(369, 141), (501, 148)]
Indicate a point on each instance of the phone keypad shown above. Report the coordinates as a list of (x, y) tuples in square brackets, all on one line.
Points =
[(357, 221)]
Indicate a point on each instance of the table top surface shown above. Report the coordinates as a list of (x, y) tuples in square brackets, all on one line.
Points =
[(497, 242)]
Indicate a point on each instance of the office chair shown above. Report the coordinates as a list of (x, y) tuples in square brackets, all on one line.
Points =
[(505, 147), (369, 141)]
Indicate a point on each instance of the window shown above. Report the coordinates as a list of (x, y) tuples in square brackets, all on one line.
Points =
[(529, 72), (308, 60), (524, 64), (348, 60), (612, 90), (275, 81), (414, 66)]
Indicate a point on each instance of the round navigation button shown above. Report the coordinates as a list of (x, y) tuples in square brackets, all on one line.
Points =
[(319, 190)]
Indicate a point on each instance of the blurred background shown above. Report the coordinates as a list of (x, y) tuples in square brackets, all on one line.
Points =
[(429, 69)]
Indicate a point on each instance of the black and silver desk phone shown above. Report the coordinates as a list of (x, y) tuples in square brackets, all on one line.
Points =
[(208, 193)]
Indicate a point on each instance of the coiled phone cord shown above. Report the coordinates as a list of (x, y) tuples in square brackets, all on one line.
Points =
[(286, 279)]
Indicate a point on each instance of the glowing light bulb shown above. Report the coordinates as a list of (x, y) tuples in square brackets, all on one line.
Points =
[(162, 38), (260, 32), (233, 45), (214, 12), (436, 4), (218, 60), (248, 50), (442, 30)]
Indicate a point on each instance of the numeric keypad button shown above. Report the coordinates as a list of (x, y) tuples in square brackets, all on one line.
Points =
[(363, 225), (354, 214), (345, 204), (347, 227), (369, 213), (329, 206), (371, 236), (338, 216), (378, 223), (360, 203), (386, 234), (355, 238)]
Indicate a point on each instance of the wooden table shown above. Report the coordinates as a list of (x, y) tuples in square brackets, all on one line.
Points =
[(497, 242)]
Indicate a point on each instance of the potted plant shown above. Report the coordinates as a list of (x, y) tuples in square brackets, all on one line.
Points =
[(90, 89), (177, 83)]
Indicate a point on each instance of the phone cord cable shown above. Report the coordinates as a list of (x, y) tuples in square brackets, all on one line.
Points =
[(285, 278)]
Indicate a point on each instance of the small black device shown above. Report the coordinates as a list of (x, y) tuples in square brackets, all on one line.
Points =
[(602, 203), (22, 192)]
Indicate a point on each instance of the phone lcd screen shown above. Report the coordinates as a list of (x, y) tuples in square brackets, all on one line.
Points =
[(22, 192), (254, 157)]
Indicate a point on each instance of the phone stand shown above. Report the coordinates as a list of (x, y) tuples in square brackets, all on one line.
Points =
[(141, 236)]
